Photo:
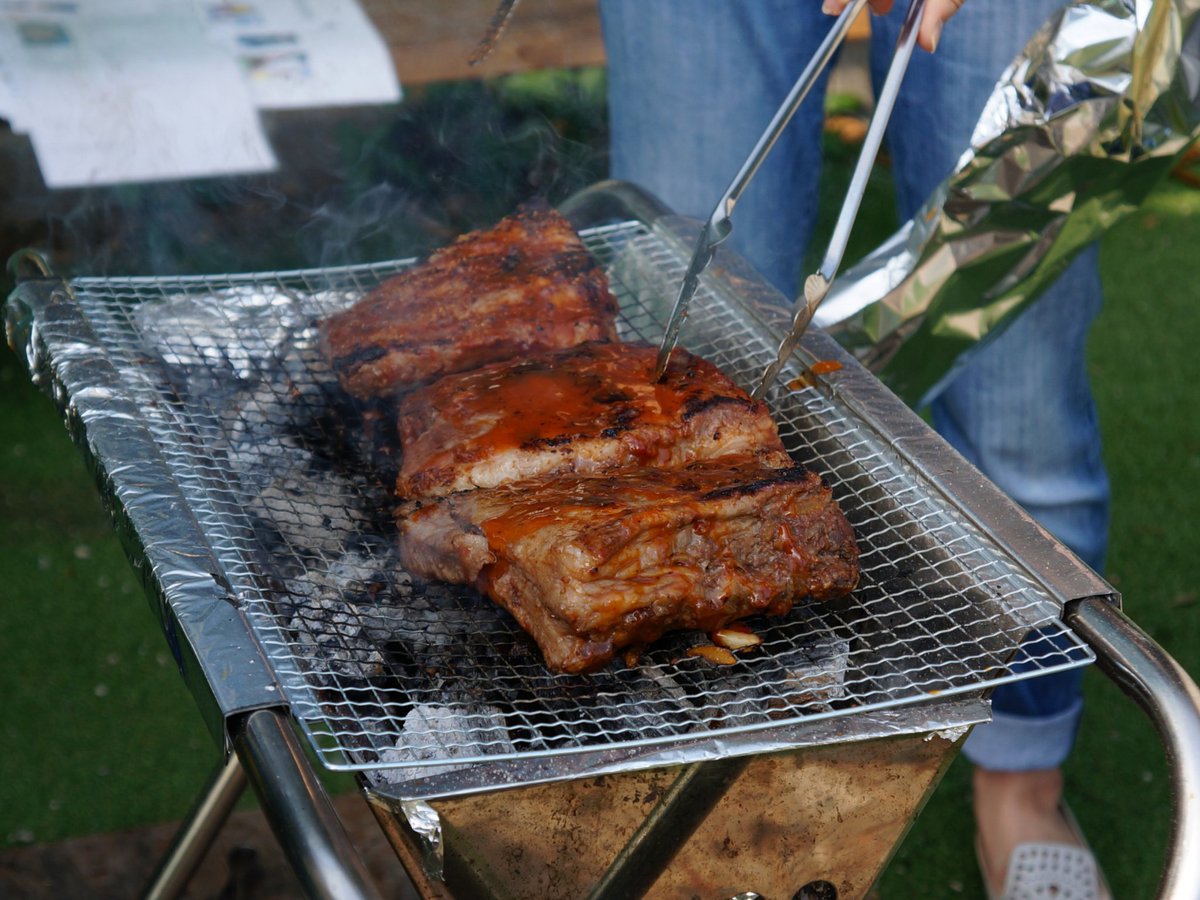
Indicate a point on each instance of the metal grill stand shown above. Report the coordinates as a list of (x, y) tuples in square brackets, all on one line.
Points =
[(203, 406)]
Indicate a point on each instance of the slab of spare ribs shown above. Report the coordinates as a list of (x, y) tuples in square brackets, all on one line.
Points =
[(524, 285), (602, 509)]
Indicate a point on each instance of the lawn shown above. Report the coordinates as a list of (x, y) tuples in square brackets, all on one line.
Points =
[(100, 733)]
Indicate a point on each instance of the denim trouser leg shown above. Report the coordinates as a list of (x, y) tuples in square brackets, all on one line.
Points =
[(692, 86), (692, 83), (1042, 447), (1021, 410)]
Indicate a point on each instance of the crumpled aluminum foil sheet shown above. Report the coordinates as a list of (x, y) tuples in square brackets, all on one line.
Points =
[(1092, 114), (206, 635)]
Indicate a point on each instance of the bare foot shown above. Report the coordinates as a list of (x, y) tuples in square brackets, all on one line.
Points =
[(1013, 808)]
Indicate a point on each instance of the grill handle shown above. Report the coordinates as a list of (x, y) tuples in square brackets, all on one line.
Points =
[(1171, 699)]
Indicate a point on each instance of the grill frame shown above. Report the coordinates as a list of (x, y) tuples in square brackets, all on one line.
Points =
[(203, 597)]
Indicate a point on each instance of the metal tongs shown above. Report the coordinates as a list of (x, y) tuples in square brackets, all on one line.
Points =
[(720, 224)]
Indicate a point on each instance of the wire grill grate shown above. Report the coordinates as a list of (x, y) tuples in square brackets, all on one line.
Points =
[(289, 483)]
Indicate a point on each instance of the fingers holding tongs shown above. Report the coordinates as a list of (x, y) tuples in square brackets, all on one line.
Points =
[(817, 285), (719, 223)]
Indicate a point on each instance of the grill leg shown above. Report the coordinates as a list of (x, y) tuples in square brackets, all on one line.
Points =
[(298, 809), (198, 831)]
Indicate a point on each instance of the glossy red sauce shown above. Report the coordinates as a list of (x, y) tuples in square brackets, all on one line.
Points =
[(600, 394)]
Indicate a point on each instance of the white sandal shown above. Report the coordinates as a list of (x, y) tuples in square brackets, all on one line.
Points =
[(1040, 871)]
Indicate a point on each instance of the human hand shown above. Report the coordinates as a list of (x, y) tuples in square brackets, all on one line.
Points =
[(937, 13)]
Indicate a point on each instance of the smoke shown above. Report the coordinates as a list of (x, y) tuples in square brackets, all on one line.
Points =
[(370, 225), (355, 185)]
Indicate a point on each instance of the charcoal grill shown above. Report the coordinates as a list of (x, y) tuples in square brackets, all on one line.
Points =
[(254, 498)]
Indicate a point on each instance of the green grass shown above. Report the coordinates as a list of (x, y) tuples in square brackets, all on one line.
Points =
[(99, 731)]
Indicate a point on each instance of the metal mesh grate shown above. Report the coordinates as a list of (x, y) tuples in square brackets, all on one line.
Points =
[(289, 481)]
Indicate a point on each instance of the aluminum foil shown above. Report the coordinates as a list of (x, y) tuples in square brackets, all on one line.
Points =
[(1090, 116), (427, 825), (946, 718), (207, 636)]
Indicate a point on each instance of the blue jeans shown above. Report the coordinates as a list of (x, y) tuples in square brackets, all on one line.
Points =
[(692, 85)]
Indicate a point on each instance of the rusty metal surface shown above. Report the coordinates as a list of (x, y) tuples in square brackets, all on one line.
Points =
[(832, 813)]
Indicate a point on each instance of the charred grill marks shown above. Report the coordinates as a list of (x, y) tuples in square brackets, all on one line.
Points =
[(588, 409), (526, 284)]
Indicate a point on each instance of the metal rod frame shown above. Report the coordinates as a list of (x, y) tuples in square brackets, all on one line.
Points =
[(268, 756), (298, 809), (687, 803), (1171, 700), (196, 835)]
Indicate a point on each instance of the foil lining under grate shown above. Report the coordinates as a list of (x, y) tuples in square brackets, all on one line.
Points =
[(289, 480)]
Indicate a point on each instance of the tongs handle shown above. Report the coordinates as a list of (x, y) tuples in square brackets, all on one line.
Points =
[(719, 223), (816, 286)]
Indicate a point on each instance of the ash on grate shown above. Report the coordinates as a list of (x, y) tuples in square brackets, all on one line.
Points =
[(340, 613), (435, 734), (311, 520), (815, 673), (294, 474), (799, 673)]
